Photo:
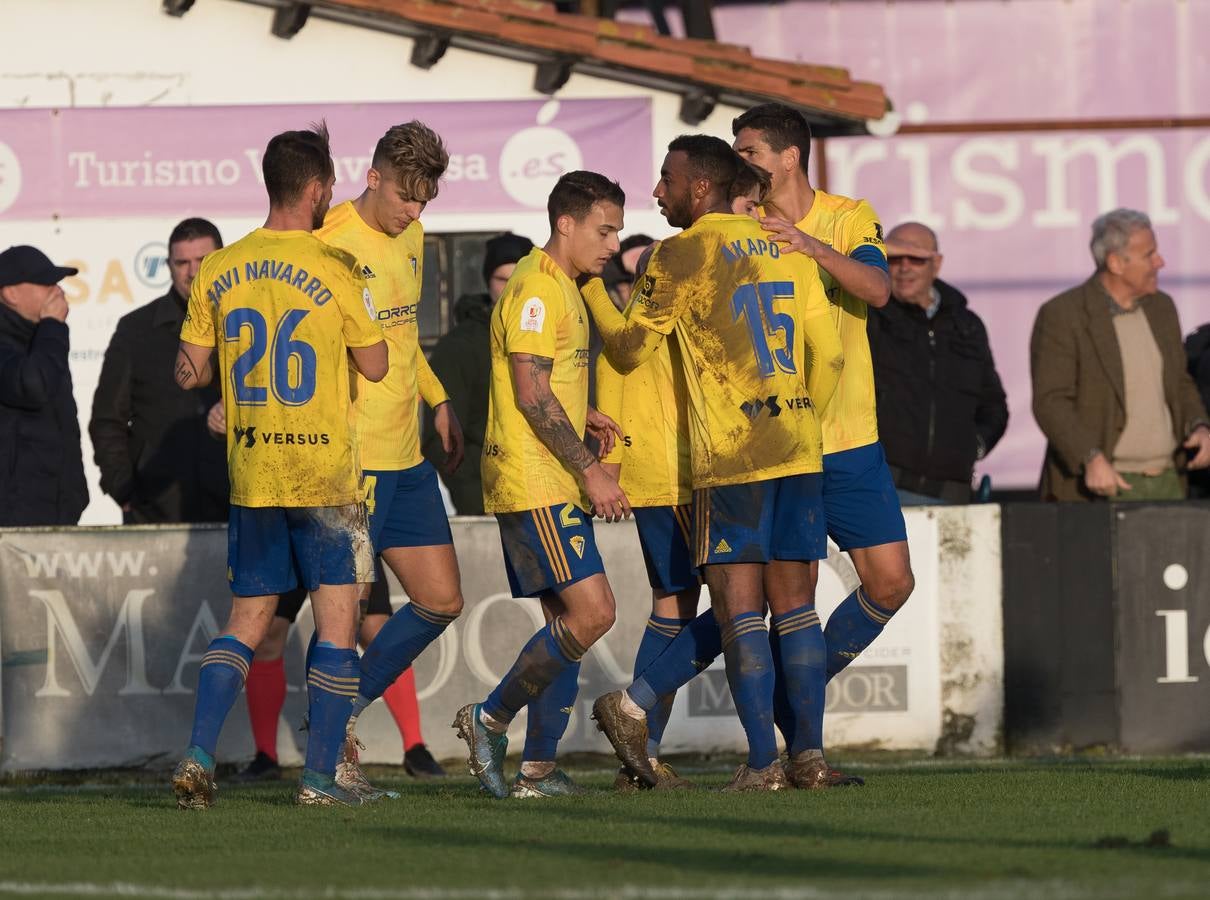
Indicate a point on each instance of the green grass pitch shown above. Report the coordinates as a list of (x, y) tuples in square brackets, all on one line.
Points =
[(1099, 828)]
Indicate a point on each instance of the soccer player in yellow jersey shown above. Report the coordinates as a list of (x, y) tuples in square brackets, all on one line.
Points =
[(650, 405), (285, 311), (408, 524), (845, 238), (652, 464), (759, 352), (543, 484)]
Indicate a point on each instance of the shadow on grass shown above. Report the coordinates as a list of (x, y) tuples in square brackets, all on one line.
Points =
[(776, 828), (796, 862)]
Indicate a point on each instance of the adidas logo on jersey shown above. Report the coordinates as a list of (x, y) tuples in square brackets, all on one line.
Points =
[(722, 546), (366, 271)]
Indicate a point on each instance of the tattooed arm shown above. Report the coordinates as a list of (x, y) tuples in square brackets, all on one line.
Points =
[(549, 421), (193, 365)]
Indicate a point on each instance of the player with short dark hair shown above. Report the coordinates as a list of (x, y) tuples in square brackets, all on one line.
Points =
[(845, 238), (285, 311), (759, 355), (543, 484)]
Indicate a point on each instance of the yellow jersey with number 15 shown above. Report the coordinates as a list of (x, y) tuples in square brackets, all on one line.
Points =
[(282, 308), (740, 309), (540, 313), (851, 419), (386, 413)]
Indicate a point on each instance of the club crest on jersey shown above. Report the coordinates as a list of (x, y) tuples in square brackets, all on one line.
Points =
[(533, 315), (415, 265), (577, 544), (368, 299)]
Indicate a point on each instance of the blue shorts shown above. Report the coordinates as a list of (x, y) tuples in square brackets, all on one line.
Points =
[(272, 549), (860, 500), (548, 549), (781, 518), (664, 535), (405, 508)]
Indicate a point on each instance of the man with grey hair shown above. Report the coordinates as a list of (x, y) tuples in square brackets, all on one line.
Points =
[(1122, 418)]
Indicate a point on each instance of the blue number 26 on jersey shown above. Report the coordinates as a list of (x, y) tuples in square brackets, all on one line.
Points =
[(291, 361), (749, 302)]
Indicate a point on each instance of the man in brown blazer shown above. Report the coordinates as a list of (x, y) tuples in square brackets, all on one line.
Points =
[(1122, 417)]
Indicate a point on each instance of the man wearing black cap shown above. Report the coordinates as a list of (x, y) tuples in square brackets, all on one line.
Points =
[(462, 361), (41, 467)]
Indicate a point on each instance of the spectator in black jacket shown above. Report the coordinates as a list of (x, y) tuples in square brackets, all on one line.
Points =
[(462, 359), (941, 406), (1197, 354), (41, 467), (157, 459)]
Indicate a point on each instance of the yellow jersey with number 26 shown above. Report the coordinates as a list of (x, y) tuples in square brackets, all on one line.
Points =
[(282, 308)]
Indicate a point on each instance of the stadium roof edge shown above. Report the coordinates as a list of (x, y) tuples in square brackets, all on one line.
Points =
[(703, 73)]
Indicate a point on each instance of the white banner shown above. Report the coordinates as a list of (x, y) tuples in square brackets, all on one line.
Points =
[(102, 630)]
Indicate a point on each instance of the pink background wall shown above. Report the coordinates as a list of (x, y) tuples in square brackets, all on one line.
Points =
[(1013, 210)]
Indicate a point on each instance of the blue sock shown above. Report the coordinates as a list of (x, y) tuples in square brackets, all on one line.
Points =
[(783, 712), (803, 656), (550, 651), (852, 628), (331, 689), (549, 714), (219, 681), (401, 640), (750, 675), (659, 633), (690, 652)]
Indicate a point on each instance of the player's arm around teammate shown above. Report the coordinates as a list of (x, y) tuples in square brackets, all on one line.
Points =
[(844, 237)]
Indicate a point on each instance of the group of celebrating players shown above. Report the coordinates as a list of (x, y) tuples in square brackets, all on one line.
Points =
[(735, 420)]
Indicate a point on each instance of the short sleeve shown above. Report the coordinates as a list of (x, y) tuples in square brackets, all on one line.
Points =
[(361, 328), (198, 327), (810, 288), (863, 238), (659, 299), (531, 313)]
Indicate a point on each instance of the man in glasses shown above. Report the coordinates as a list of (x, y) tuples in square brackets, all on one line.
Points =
[(941, 406)]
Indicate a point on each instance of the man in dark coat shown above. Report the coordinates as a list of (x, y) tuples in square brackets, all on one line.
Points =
[(149, 438), (941, 405), (41, 467), (1122, 418), (462, 360)]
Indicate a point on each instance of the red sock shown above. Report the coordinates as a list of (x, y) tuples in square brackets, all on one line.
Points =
[(401, 700), (266, 689)]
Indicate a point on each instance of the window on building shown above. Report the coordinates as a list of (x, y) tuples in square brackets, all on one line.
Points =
[(453, 266)]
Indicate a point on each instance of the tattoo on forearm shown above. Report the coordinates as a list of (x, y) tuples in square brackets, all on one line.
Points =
[(547, 417), (186, 372)]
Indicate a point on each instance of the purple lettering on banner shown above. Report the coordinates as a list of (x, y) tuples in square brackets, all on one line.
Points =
[(504, 155)]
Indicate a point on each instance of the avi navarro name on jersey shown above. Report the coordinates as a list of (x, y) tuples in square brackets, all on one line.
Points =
[(271, 270)]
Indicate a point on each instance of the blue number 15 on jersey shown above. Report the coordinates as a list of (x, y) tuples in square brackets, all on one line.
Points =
[(749, 302), (291, 362)]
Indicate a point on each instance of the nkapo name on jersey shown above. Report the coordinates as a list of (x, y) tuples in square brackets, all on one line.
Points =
[(273, 270), (742, 249)]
